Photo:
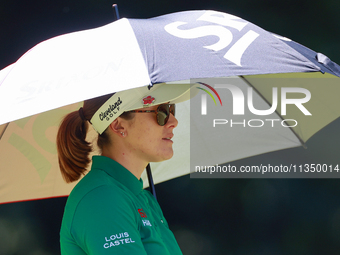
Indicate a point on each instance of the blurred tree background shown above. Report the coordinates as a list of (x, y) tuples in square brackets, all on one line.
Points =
[(208, 216)]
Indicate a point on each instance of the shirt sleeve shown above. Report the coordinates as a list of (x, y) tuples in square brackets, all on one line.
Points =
[(105, 223)]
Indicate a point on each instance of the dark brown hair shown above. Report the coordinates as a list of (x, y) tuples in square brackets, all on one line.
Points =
[(73, 149)]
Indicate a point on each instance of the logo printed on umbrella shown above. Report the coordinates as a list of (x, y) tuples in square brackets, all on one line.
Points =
[(223, 20), (37, 128)]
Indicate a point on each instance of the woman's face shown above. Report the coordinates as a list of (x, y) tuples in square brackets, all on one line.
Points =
[(149, 141)]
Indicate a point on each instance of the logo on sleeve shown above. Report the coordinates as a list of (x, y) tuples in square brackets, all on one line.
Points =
[(117, 239)]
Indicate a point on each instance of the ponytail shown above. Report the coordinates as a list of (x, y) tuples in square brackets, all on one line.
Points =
[(73, 149)]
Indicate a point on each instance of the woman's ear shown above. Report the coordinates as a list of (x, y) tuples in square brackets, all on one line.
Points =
[(118, 127)]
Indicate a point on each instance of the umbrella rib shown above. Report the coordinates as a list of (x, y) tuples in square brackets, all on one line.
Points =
[(3, 131), (297, 136)]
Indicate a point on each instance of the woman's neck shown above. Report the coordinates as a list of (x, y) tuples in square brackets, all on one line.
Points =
[(126, 159)]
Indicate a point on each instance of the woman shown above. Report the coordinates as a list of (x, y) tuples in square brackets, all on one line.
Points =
[(108, 212)]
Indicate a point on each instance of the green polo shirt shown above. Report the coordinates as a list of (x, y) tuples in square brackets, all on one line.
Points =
[(109, 212)]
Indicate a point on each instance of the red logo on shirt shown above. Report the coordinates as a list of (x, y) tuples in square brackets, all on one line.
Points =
[(142, 213), (148, 100)]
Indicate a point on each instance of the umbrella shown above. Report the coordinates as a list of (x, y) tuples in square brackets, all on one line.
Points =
[(55, 76)]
